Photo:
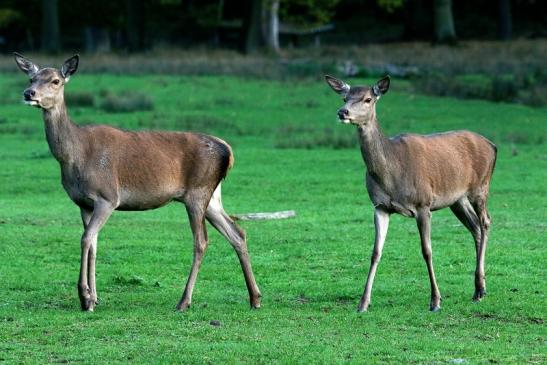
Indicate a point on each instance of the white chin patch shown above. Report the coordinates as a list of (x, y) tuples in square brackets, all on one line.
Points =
[(345, 121), (31, 102)]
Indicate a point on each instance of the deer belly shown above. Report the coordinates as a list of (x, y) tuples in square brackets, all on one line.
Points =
[(144, 200), (446, 199)]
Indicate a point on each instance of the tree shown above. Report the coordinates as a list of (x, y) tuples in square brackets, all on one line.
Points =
[(504, 20), (311, 12), (252, 27), (390, 5), (51, 41), (444, 21), (135, 25), (417, 20), (271, 25), (261, 23)]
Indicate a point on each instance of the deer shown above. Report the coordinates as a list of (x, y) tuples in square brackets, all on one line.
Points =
[(414, 175), (104, 169)]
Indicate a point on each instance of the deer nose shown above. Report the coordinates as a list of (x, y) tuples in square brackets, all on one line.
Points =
[(343, 113), (28, 94)]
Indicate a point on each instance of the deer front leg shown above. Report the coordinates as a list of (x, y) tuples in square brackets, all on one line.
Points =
[(423, 220), (87, 290), (381, 224)]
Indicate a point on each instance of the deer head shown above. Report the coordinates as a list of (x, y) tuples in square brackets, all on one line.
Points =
[(46, 88), (360, 101)]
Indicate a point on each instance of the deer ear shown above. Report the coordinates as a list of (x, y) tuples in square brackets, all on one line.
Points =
[(381, 87), (70, 66), (26, 65), (338, 86)]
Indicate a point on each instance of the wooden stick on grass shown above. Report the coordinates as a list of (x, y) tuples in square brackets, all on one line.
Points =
[(263, 216)]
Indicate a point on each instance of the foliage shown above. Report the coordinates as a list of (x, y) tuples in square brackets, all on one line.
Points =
[(308, 12), (7, 16), (311, 269), (391, 5), (191, 22), (206, 15)]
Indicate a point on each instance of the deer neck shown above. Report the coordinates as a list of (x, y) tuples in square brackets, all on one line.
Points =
[(375, 148), (61, 134)]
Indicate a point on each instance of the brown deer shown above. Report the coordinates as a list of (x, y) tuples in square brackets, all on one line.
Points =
[(414, 175), (105, 169)]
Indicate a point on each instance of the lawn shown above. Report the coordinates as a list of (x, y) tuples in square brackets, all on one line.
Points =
[(290, 154)]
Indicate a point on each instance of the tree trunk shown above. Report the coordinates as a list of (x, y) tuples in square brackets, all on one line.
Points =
[(417, 21), (51, 41), (97, 39), (505, 23), (444, 22), (218, 30), (271, 25), (252, 27), (135, 25)]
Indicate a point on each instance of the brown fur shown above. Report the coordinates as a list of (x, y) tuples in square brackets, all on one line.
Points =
[(141, 170), (105, 169), (415, 174), (425, 171)]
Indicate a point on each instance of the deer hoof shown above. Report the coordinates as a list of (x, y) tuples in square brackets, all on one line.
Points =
[(255, 303), (87, 304), (479, 294), (435, 304), (363, 307), (181, 307)]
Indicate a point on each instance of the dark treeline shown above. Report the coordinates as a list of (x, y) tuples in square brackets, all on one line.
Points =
[(248, 25)]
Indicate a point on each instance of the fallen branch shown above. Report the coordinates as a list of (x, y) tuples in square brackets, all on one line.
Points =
[(263, 216)]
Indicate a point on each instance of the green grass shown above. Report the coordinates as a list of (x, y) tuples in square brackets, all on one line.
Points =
[(311, 269)]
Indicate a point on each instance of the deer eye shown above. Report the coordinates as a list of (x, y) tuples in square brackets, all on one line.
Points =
[(56, 81), (368, 100)]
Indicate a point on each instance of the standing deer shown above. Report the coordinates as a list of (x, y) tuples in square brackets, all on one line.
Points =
[(414, 175), (105, 169)]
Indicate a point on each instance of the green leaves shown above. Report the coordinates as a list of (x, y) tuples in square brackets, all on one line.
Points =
[(391, 5), (309, 12)]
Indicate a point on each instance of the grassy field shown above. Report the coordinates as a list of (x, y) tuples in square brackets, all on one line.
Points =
[(290, 154)]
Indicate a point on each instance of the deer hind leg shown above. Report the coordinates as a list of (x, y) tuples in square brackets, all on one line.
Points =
[(86, 216), (195, 206), (484, 222), (423, 220), (216, 215), (381, 224), (465, 212), (93, 222)]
